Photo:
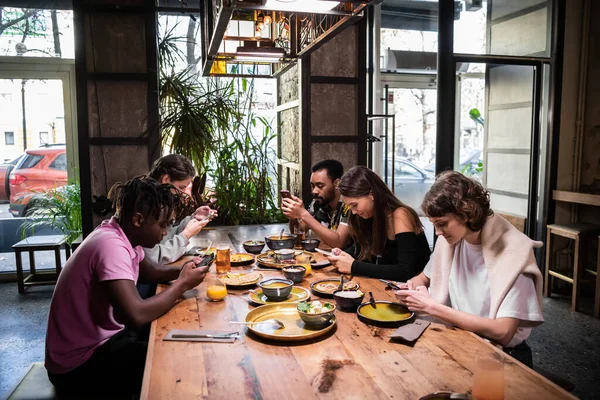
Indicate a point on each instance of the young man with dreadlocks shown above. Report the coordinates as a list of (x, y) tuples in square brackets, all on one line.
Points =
[(91, 343)]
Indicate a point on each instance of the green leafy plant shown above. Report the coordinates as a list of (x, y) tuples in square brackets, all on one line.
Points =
[(211, 121), (57, 208)]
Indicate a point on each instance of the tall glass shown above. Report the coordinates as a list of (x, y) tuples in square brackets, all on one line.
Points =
[(488, 378), (299, 233), (223, 259), (304, 260)]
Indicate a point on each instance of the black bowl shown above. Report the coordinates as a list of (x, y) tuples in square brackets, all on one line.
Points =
[(347, 303), (286, 242), (311, 244), (365, 309), (256, 248)]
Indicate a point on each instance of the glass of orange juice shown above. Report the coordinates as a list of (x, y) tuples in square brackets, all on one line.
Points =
[(304, 260), (488, 377), (216, 290), (223, 259)]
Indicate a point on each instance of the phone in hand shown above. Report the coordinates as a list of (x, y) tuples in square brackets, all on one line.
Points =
[(391, 284), (209, 216), (285, 194), (325, 252), (206, 260)]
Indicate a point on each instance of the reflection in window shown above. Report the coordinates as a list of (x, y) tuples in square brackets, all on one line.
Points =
[(43, 138), (9, 138), (36, 33), (60, 162)]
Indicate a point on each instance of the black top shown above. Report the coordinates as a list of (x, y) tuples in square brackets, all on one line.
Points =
[(402, 259)]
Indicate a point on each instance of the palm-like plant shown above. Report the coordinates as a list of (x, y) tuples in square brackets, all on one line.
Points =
[(58, 208)]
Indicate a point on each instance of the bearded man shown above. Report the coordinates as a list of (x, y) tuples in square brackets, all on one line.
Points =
[(327, 215)]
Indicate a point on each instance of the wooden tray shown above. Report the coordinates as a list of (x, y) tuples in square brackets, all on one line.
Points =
[(294, 330)]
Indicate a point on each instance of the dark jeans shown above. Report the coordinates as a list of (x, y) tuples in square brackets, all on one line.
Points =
[(521, 352), (115, 370)]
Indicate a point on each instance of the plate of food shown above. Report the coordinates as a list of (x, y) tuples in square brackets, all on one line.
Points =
[(294, 329), (241, 259), (326, 287), (235, 280), (297, 295), (271, 259)]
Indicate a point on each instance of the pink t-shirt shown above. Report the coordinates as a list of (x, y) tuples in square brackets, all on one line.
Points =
[(81, 317)]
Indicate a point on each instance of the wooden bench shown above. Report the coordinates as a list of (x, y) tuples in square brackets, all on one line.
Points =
[(35, 385), (39, 243)]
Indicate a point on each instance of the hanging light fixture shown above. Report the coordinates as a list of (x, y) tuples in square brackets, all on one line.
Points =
[(268, 20), (306, 6)]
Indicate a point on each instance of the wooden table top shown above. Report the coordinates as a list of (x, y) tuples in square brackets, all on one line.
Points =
[(353, 361)]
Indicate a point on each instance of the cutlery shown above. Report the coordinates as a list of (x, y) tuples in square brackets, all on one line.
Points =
[(281, 234), (341, 287), (372, 300), (205, 250), (266, 321), (202, 336)]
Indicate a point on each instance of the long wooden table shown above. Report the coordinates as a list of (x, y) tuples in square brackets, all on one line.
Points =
[(368, 364)]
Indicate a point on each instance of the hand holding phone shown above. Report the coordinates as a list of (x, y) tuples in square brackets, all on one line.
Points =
[(208, 216), (285, 194), (325, 252)]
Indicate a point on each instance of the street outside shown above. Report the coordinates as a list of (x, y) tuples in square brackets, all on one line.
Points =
[(43, 259)]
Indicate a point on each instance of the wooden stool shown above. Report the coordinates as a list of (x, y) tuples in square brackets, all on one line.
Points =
[(39, 243), (34, 385), (576, 232)]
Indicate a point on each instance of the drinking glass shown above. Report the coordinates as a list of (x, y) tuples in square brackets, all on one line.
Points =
[(304, 260), (299, 232), (223, 259), (488, 377), (216, 290)]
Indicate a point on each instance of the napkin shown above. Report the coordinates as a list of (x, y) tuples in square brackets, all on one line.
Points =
[(190, 333), (410, 332)]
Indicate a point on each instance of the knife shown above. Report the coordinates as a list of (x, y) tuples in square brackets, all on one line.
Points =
[(372, 300), (204, 336)]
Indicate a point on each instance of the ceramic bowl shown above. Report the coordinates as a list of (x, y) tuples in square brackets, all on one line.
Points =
[(348, 303), (285, 254), (286, 241), (311, 244), (253, 246), (295, 273), (317, 319), (276, 289)]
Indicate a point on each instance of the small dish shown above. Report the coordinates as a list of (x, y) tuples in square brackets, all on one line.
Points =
[(348, 300), (297, 295), (285, 254), (318, 318), (240, 259), (311, 244), (276, 289), (253, 246), (295, 273)]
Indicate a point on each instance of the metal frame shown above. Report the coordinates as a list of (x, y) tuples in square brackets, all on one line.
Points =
[(447, 63)]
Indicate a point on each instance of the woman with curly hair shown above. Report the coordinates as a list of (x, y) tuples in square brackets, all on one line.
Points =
[(390, 240), (482, 276)]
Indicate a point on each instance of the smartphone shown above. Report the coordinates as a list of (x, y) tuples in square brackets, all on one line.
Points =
[(285, 194), (391, 284), (207, 260), (324, 252), (209, 216)]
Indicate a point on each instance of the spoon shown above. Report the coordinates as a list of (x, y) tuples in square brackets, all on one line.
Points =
[(341, 287), (205, 250), (281, 234), (372, 300), (266, 321)]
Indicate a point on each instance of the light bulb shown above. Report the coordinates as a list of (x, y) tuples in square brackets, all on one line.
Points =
[(268, 20)]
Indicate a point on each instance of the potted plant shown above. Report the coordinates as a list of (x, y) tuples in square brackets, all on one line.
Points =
[(57, 208)]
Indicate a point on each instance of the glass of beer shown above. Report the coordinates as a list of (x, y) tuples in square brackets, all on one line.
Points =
[(488, 377), (299, 232), (223, 259)]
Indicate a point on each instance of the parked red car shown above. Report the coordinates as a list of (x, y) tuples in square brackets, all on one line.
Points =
[(38, 170), (5, 170)]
